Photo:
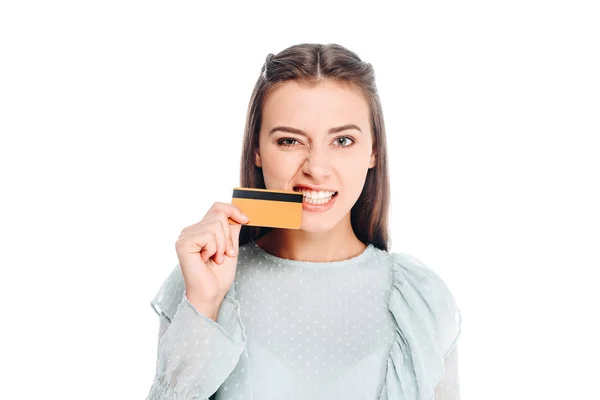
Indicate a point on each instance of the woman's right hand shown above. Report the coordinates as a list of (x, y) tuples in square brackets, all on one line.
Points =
[(208, 254)]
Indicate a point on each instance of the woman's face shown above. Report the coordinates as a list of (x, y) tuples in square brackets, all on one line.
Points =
[(319, 138)]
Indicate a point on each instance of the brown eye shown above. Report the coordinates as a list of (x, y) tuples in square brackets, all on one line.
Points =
[(286, 142)]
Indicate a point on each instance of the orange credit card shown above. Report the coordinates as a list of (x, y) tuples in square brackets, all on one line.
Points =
[(269, 208)]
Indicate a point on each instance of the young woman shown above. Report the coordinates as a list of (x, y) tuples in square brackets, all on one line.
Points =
[(324, 312)]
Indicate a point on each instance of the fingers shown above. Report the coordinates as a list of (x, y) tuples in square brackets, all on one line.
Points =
[(213, 236), (220, 240), (209, 248), (229, 248), (235, 236), (196, 241), (207, 238), (231, 211)]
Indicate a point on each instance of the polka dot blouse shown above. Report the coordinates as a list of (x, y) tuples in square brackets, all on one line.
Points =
[(380, 325)]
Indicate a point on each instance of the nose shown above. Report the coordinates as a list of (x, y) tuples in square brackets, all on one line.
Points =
[(317, 164)]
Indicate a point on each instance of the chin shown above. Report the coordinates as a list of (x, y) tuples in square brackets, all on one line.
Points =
[(316, 226), (316, 230)]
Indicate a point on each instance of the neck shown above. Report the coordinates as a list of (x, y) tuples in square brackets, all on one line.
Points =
[(340, 243)]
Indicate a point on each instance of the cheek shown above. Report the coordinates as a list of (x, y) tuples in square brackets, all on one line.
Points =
[(352, 165), (279, 167), (353, 172)]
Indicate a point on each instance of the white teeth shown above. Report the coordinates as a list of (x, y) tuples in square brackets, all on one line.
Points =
[(317, 201), (316, 195)]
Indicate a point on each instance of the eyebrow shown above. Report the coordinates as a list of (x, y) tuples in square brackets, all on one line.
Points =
[(301, 132)]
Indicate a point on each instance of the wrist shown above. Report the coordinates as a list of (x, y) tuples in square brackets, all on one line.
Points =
[(209, 310)]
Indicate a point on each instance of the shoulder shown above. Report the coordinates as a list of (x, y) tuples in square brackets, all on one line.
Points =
[(427, 326), (417, 289), (409, 270)]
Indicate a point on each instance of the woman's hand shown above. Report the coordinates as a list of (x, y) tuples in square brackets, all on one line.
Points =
[(208, 254)]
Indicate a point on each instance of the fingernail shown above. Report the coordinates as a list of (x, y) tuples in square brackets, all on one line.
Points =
[(245, 217), (232, 251)]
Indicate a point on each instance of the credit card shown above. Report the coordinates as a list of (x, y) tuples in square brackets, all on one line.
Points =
[(269, 208)]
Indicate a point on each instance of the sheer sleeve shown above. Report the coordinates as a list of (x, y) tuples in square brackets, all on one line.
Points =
[(195, 354), (428, 325), (163, 324), (448, 388)]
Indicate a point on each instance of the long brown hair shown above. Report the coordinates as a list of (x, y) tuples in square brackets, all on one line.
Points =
[(312, 63)]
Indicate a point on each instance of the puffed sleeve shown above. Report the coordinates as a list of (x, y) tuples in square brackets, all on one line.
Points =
[(448, 388), (195, 354), (428, 324)]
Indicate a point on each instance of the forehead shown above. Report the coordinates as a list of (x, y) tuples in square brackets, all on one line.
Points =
[(317, 106)]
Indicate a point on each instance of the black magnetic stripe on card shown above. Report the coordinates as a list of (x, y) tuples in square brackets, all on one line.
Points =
[(258, 195)]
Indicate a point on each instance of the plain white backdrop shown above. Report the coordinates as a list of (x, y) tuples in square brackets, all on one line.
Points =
[(121, 123)]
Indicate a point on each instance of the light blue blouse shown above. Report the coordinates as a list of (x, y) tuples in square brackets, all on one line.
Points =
[(380, 325)]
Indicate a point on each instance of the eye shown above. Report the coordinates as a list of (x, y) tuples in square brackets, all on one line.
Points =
[(344, 141), (287, 142)]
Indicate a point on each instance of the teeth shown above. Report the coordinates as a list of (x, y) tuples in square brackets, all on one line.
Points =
[(314, 195), (317, 201)]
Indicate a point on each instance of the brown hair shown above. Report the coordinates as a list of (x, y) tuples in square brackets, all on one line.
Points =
[(311, 63)]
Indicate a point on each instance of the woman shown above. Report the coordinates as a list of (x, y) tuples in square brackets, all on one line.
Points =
[(324, 312)]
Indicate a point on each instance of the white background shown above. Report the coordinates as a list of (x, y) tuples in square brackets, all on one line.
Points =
[(121, 124)]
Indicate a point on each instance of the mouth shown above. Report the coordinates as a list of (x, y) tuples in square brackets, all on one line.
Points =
[(316, 197)]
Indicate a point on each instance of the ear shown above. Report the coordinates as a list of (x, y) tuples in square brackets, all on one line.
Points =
[(257, 160), (373, 160)]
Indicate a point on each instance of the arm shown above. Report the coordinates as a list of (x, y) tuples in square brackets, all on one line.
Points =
[(448, 388), (195, 354)]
